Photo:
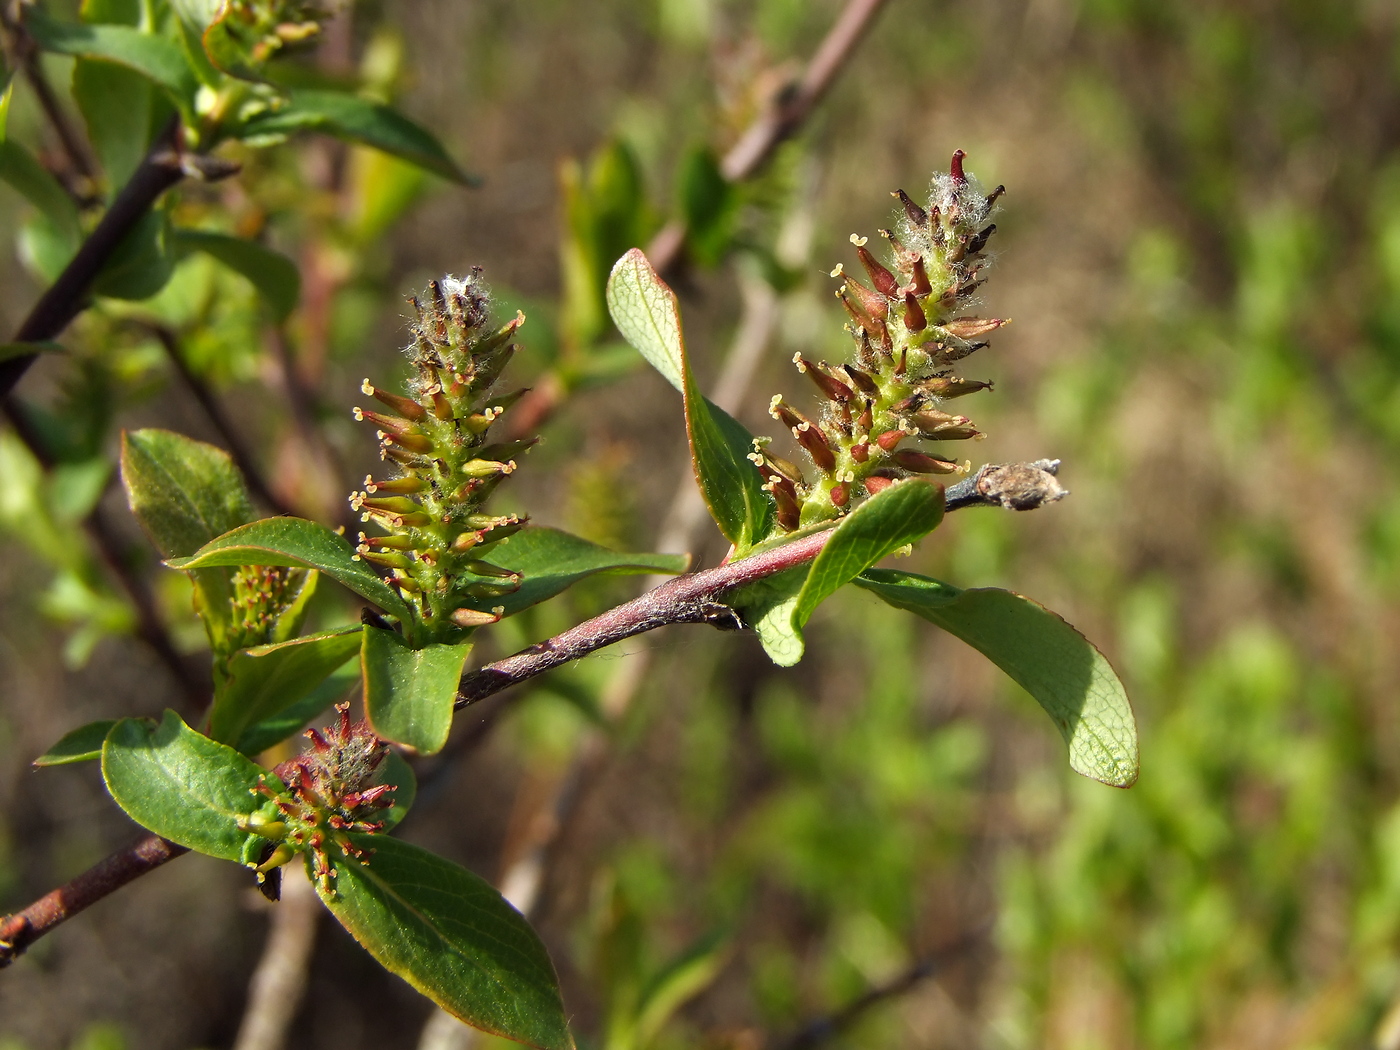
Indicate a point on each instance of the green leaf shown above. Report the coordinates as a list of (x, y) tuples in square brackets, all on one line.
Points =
[(19, 168), (141, 264), (262, 682), (409, 692), (647, 314), (296, 541), (905, 512), (767, 606), (708, 203), (451, 936), (5, 96), (356, 120), (183, 492), (258, 738), (551, 561), (116, 106), (679, 981), (157, 58), (1043, 654), (275, 277), (83, 744), (182, 785), (398, 772)]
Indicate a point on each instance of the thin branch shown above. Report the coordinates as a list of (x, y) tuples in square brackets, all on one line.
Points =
[(698, 597), (19, 931), (823, 1029), (783, 120), (161, 169), (279, 982), (237, 448), (694, 598)]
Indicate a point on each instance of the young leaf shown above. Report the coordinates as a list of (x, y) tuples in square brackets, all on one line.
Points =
[(116, 107), (398, 772), (647, 314), (183, 492), (262, 682), (767, 606), (263, 735), (274, 275), (1043, 654), (141, 264), (33, 182), (154, 57), (900, 515), (356, 120), (683, 978), (551, 561), (182, 785), (409, 692), (83, 744), (296, 541), (451, 936)]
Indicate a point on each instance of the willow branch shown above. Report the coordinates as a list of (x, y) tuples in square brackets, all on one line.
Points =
[(697, 597), (19, 931), (161, 169)]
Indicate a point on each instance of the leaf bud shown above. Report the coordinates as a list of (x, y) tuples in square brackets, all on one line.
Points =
[(881, 278), (923, 463), (952, 386), (972, 327), (470, 618), (914, 319)]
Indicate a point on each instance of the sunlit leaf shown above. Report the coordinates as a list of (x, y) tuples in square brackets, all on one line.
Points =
[(453, 937), (409, 693), (276, 277), (182, 785), (1043, 654)]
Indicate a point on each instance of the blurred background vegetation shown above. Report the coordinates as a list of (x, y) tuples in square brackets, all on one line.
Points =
[(1200, 246)]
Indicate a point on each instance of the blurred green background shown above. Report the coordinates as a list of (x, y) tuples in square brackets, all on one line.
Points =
[(1200, 247)]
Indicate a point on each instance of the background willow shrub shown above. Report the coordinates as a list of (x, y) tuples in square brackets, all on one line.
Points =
[(1163, 260)]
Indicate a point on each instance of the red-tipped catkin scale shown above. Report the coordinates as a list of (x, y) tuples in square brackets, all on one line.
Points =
[(475, 617), (916, 215), (392, 424), (863, 381), (889, 439), (992, 197), (877, 483), (405, 485), (817, 446), (829, 385), (973, 327), (923, 463), (979, 242), (914, 319), (919, 281), (412, 442), (881, 278), (404, 406), (840, 494), (956, 168), (951, 386)]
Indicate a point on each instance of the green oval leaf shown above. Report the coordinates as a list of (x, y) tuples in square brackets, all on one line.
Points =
[(182, 785), (182, 491), (154, 57), (296, 541), (31, 180), (450, 935), (356, 120), (1043, 654), (260, 736), (83, 744), (550, 561), (647, 314), (262, 682), (275, 277), (409, 693), (116, 107), (905, 512), (398, 772)]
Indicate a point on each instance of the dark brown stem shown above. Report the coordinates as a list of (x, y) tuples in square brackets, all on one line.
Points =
[(19, 931), (237, 448), (66, 298), (823, 1029)]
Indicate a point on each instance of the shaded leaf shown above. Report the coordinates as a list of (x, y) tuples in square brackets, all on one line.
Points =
[(183, 492), (396, 770), (262, 682), (83, 744), (679, 981), (157, 58), (453, 937), (296, 541), (116, 107), (355, 119), (182, 785), (767, 606), (273, 730), (33, 182), (275, 276), (409, 692), (141, 264), (551, 560), (1042, 653), (647, 314)]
